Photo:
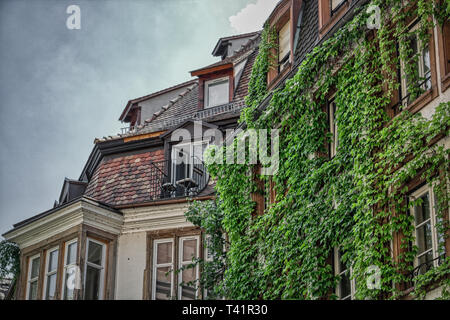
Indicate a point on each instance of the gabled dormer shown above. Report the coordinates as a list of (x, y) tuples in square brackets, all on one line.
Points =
[(229, 46)]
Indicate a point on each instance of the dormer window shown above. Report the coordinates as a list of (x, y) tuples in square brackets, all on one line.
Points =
[(336, 5), (217, 92), (284, 48)]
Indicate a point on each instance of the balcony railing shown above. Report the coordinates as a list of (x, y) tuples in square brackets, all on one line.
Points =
[(424, 85), (199, 115), (169, 180)]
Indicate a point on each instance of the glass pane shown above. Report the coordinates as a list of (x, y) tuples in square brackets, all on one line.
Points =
[(95, 253), (423, 235), (284, 41), (426, 66), (218, 93), (422, 211), (344, 285), (189, 249), (164, 253), (425, 262), (51, 287), (35, 267), (53, 260), (163, 283), (188, 290), (342, 265), (32, 294), (92, 288), (72, 253), (68, 292)]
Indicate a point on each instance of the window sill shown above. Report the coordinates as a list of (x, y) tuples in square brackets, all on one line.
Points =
[(273, 82)]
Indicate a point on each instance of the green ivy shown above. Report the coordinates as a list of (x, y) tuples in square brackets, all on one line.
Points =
[(355, 201)]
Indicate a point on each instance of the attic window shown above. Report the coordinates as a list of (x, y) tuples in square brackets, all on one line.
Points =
[(216, 92), (335, 5), (284, 36)]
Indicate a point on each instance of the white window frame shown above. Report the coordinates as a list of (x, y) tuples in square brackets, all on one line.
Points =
[(213, 82), (175, 149), (67, 266), (50, 273), (333, 125), (98, 267), (433, 218), (36, 279), (403, 82), (162, 265), (182, 263), (339, 272)]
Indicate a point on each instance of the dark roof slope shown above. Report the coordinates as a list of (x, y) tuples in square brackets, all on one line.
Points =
[(309, 30), (242, 87)]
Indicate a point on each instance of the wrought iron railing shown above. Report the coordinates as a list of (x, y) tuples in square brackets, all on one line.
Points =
[(165, 183), (424, 267)]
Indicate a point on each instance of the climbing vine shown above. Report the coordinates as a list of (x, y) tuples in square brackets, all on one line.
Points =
[(356, 201)]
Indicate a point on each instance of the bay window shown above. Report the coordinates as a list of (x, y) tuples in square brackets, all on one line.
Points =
[(33, 277), (94, 273), (428, 239), (51, 271), (217, 92)]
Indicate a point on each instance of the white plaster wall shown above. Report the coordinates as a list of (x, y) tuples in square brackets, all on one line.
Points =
[(130, 266)]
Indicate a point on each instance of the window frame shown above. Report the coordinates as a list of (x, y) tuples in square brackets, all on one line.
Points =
[(182, 263), (215, 82), (333, 127), (35, 279), (174, 155), (101, 267), (67, 266), (283, 62), (338, 272), (50, 273), (155, 266), (403, 90), (421, 191)]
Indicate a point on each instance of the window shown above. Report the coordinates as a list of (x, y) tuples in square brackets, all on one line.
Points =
[(187, 162), (446, 53), (94, 272), (333, 127), (284, 48), (345, 289), (216, 92), (412, 88), (189, 248), (163, 253), (428, 240), (51, 271), (70, 269), (33, 277)]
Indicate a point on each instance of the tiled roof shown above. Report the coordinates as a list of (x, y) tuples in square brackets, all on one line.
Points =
[(309, 31), (124, 179)]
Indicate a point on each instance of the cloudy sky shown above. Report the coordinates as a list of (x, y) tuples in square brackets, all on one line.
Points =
[(61, 88)]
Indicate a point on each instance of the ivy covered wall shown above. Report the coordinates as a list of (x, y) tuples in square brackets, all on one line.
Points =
[(357, 200)]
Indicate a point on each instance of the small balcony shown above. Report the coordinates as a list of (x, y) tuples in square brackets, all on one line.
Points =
[(171, 180)]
